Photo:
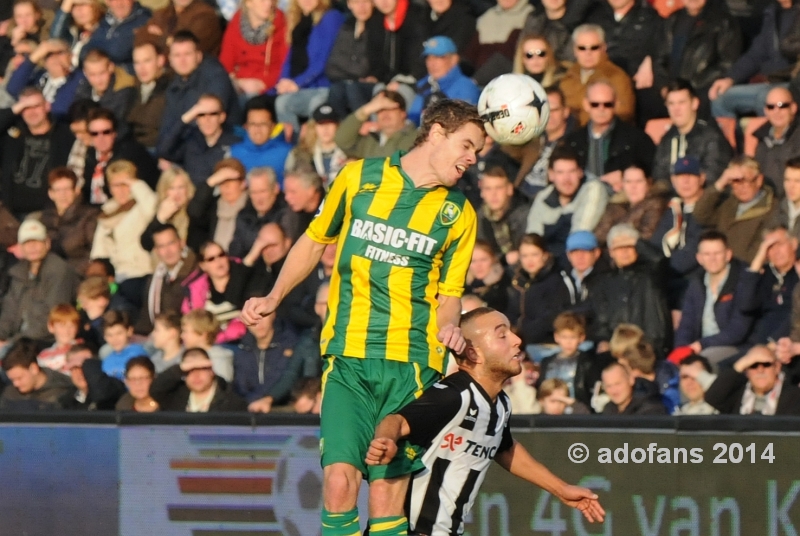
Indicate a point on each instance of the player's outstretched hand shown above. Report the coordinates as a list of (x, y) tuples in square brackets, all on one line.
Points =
[(451, 337), (381, 451), (584, 500), (257, 308)]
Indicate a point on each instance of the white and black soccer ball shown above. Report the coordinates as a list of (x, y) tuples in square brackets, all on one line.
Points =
[(514, 109)]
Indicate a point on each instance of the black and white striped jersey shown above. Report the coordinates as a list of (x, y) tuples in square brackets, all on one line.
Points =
[(462, 430)]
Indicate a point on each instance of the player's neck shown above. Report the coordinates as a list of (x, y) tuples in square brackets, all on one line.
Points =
[(491, 384), (416, 165)]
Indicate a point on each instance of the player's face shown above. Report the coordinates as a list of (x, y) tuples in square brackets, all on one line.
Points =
[(499, 345), (455, 152)]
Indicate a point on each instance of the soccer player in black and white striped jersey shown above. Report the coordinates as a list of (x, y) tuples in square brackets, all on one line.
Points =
[(462, 422)]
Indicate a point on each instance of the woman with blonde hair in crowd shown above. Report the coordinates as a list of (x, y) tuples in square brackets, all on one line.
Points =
[(120, 226), (535, 57), (254, 46), (174, 191), (312, 29), (75, 21)]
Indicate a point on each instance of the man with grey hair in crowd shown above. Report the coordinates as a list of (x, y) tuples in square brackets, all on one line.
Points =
[(304, 193), (592, 65), (631, 292), (266, 204), (754, 386)]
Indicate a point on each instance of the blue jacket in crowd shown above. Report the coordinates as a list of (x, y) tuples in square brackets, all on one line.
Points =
[(455, 85), (273, 153), (272, 371), (116, 38), (28, 74), (320, 44)]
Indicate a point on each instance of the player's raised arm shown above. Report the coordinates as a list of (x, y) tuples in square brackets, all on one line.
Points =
[(518, 461), (447, 318), (301, 260)]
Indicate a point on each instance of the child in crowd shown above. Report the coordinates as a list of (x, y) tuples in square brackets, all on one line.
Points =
[(579, 370), (118, 330), (139, 374), (166, 339), (94, 297), (63, 323), (199, 329), (521, 391), (553, 395)]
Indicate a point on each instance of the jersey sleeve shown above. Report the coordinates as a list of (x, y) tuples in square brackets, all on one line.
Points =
[(507, 441), (458, 254), (327, 224), (431, 412)]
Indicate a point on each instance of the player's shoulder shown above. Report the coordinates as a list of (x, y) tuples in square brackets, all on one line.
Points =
[(457, 382)]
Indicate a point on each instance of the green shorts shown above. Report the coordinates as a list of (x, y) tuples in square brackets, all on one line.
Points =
[(356, 395)]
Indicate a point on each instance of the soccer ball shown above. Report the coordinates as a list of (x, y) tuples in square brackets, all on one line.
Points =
[(514, 109)]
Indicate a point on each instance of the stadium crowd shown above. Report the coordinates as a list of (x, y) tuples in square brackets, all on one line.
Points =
[(159, 158)]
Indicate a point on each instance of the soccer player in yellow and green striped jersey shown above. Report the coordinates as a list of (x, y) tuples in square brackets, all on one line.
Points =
[(404, 242)]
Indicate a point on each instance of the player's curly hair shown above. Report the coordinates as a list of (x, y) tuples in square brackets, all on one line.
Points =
[(451, 114)]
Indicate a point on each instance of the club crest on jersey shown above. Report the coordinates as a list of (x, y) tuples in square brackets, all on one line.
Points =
[(449, 213)]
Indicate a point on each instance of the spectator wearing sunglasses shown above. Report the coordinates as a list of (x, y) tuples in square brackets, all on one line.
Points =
[(779, 138), (740, 205), (535, 58), (108, 147), (592, 65), (606, 145), (754, 386)]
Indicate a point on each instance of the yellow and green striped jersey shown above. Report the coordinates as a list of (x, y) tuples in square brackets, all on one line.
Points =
[(399, 248)]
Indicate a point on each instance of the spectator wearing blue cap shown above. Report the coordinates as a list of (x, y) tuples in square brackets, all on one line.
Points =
[(677, 233), (445, 79)]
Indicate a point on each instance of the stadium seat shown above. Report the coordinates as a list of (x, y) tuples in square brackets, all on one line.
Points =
[(728, 127), (666, 8), (656, 128), (750, 141)]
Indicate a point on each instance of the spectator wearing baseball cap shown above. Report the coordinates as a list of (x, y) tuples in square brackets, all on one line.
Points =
[(317, 147), (678, 233), (631, 292), (40, 281), (444, 80)]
